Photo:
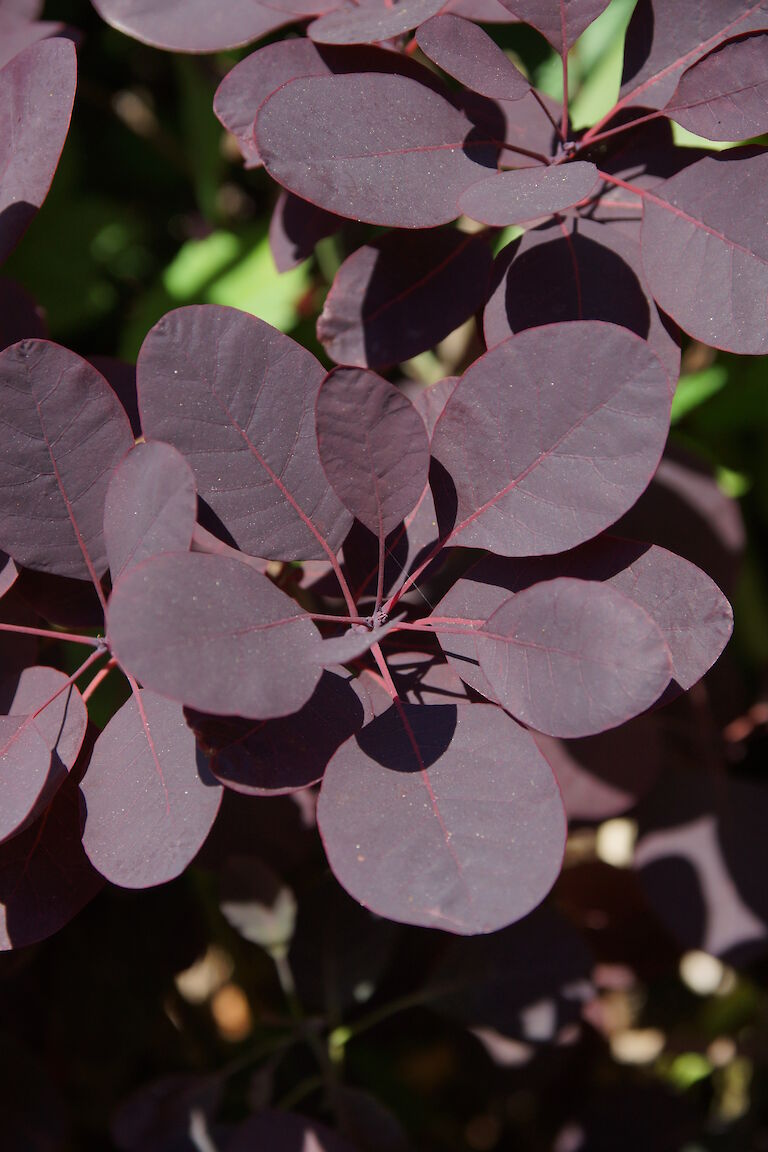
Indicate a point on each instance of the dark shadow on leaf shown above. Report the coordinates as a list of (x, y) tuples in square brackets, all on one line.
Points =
[(409, 737)]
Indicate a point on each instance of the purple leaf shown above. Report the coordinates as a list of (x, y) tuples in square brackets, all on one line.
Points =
[(16, 34), (577, 269), (402, 294), (150, 798), (273, 757), (8, 573), (664, 39), (23, 9), (477, 818), (371, 23), (45, 876), (705, 250), (62, 600), (37, 91), (560, 21), (515, 196), (121, 378), (373, 447), (39, 742), (63, 433), (469, 54), (551, 435), (285, 1132), (520, 124), (379, 148), (355, 642), (150, 506), (20, 317), (210, 632), (430, 402), (528, 981), (725, 95), (157, 1116), (572, 657), (295, 228), (190, 25), (605, 775), (237, 398), (483, 11)]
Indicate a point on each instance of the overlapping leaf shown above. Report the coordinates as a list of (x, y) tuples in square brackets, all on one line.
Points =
[(191, 25), (379, 148), (467, 53), (551, 435), (63, 433), (295, 228), (371, 23), (37, 90), (561, 21), (373, 447), (705, 250), (516, 196), (20, 317), (150, 507), (210, 632), (725, 95), (237, 398), (286, 1132), (571, 657), (41, 734), (150, 798), (400, 295), (446, 817)]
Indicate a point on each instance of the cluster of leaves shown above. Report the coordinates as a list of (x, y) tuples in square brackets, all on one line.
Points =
[(407, 604)]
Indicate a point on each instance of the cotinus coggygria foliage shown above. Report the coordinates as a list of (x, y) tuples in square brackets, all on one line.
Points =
[(411, 603)]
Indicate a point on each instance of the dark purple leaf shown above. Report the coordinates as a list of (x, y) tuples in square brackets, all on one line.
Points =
[(705, 250), (560, 21), (45, 876), (605, 775), (63, 433), (272, 757), (150, 506), (516, 196), (383, 149), (24, 9), (431, 401), (725, 95), (577, 269), (402, 294), (121, 378), (285, 1132), (367, 1122), (257, 904), (191, 25), (8, 573), (520, 124), (20, 317), (483, 11), (244, 89), (551, 435), (16, 34), (572, 657), (373, 447), (295, 228), (373, 22), (150, 798), (210, 632), (526, 982), (156, 1117), (478, 820), (664, 39), (37, 91), (39, 742), (62, 600), (469, 54), (237, 398), (355, 642)]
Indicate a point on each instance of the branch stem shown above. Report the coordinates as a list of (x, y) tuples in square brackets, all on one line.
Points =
[(51, 634)]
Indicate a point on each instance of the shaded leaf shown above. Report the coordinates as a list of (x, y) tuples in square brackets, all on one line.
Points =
[(52, 491), (469, 54), (241, 410), (705, 250), (150, 506), (8, 573), (156, 1117), (400, 295), (37, 91), (373, 447), (150, 799), (480, 825), (371, 23), (212, 633), (189, 25), (551, 435), (572, 658), (378, 148), (272, 757), (295, 228), (561, 21), (285, 1132), (20, 317)]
